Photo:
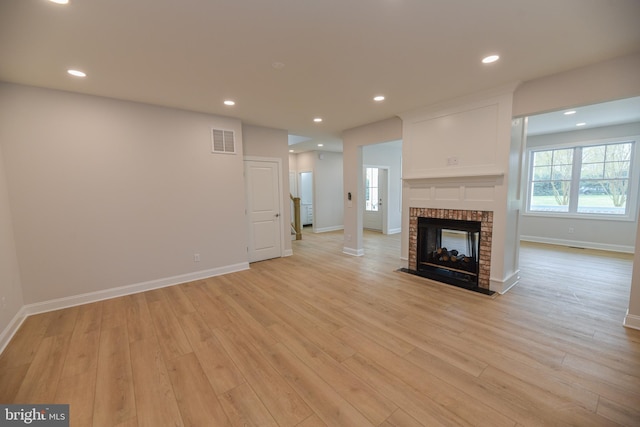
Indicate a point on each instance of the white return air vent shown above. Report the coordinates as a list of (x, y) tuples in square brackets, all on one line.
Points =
[(223, 141)]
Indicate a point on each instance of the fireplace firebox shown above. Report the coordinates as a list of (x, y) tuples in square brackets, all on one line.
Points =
[(459, 234), (448, 251)]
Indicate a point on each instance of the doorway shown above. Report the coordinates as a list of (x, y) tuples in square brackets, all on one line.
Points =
[(376, 198), (306, 198)]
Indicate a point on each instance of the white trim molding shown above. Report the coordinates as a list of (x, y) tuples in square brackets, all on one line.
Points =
[(579, 244), (59, 303), (352, 251), (12, 328), (327, 229), (71, 301), (631, 321), (502, 286)]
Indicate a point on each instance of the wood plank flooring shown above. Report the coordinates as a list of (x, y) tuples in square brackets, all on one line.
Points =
[(325, 339)]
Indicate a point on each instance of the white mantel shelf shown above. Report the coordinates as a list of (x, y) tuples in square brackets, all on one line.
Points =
[(454, 175)]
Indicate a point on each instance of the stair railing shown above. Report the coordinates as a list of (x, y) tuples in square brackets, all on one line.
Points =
[(296, 227)]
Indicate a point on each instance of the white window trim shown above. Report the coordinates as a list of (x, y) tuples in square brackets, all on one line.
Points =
[(634, 178)]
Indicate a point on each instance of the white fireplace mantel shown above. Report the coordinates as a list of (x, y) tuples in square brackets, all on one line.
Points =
[(457, 175)]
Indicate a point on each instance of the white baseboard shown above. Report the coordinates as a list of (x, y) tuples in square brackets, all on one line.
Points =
[(579, 244), (502, 286), (59, 303), (353, 252), (394, 230), (71, 301), (326, 229), (287, 252), (631, 321), (12, 328)]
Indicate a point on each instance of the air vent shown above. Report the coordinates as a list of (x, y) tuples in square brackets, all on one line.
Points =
[(222, 141)]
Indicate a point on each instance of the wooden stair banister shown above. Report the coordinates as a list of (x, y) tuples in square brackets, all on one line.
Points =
[(297, 227)]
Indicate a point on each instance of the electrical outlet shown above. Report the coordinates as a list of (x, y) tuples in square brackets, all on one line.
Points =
[(196, 257), (571, 230), (452, 161)]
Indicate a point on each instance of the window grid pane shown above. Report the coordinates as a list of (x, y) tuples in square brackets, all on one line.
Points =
[(551, 186), (603, 179), (600, 181)]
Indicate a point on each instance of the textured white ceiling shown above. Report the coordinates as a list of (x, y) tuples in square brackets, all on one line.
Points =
[(337, 54)]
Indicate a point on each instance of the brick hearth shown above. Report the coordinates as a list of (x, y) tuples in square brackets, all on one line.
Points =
[(486, 231)]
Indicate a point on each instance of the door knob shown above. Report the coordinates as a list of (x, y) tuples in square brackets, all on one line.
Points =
[(277, 215)]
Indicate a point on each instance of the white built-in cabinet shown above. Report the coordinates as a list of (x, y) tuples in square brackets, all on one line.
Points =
[(306, 214)]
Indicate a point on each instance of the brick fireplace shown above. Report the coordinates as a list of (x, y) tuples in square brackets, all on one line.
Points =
[(485, 220)]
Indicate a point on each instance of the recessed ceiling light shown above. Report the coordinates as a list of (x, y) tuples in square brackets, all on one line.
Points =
[(568, 113), (378, 98), (77, 73), (317, 119), (59, 1), (229, 102), (580, 124), (489, 59), (320, 145), (291, 151)]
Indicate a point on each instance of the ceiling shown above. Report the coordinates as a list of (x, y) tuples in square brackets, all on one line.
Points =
[(585, 117), (286, 62)]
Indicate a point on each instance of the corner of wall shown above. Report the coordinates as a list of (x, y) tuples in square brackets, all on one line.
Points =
[(11, 328), (11, 293)]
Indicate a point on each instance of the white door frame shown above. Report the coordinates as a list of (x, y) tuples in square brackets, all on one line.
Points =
[(280, 198), (385, 206), (313, 193)]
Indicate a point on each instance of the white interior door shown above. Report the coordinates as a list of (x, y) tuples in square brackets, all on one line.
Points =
[(375, 198), (263, 209)]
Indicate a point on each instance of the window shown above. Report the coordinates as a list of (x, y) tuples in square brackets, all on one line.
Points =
[(551, 181), (591, 179), (371, 189)]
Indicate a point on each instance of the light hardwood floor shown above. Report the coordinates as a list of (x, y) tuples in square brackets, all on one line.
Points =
[(323, 338)]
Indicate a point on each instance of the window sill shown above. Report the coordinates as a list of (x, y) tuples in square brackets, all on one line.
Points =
[(588, 217)]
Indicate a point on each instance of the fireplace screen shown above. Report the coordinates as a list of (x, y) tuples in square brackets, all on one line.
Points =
[(448, 251)]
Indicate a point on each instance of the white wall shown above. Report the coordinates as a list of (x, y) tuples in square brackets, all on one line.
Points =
[(306, 161), (389, 155), (306, 188), (328, 206), (272, 143), (605, 81), (10, 285), (352, 141), (618, 235), (106, 193), (326, 167)]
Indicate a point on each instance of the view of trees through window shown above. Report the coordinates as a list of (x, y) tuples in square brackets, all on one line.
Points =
[(590, 179), (371, 189)]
